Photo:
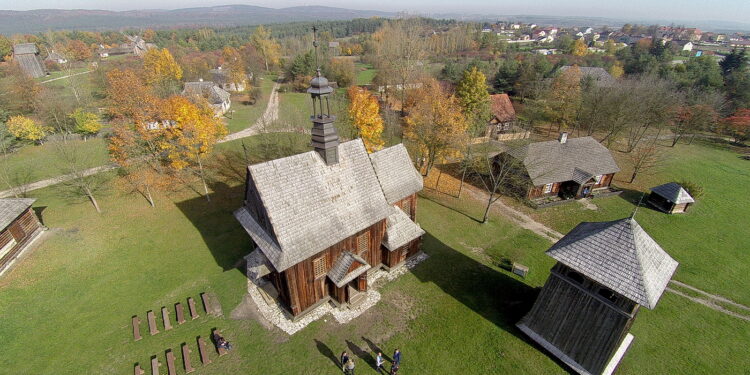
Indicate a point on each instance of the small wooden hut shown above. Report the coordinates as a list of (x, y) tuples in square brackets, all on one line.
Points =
[(605, 272), (18, 227), (670, 198)]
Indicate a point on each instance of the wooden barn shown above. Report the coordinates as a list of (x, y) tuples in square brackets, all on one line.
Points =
[(670, 198), (565, 168), (20, 227), (605, 271), (321, 221), (28, 58), (503, 126)]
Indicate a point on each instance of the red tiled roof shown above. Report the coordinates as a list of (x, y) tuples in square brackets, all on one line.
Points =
[(502, 108)]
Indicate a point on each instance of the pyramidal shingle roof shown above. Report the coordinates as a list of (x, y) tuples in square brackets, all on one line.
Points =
[(674, 193), (619, 255)]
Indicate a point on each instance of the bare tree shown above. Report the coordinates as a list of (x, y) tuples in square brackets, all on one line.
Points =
[(657, 100), (645, 159), (78, 180)]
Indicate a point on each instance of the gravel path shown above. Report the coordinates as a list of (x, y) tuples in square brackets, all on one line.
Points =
[(270, 115), (712, 301), (55, 180), (70, 75)]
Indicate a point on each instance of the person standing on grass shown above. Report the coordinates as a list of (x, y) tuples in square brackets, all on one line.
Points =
[(379, 361), (350, 367), (397, 357), (344, 360)]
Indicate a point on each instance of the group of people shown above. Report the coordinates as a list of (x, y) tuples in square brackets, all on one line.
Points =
[(347, 363)]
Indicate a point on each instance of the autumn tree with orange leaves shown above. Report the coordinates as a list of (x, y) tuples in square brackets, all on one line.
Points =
[(364, 111), (738, 125), (128, 98), (562, 102), (235, 65), (436, 126)]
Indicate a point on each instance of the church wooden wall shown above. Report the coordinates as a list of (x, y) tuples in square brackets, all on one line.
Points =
[(305, 290)]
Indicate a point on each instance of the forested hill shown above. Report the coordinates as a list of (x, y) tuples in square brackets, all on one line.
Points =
[(33, 21)]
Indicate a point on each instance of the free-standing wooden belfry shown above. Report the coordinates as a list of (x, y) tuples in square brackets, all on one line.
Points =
[(605, 271)]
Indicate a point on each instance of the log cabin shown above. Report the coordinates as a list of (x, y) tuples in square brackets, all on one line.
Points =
[(565, 168), (323, 220), (19, 226), (605, 271), (670, 198)]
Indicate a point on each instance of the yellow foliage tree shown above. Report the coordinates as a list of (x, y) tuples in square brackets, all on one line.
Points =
[(235, 64), (27, 129), (616, 70), (365, 113), (436, 126), (159, 67), (579, 48), (86, 123), (193, 136), (564, 98), (268, 48)]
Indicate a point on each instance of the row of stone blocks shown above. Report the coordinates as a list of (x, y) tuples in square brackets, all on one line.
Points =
[(167, 324), (170, 358)]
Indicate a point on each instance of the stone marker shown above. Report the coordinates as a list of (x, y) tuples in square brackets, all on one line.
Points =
[(155, 366), (206, 303), (211, 304), (191, 306), (136, 328), (180, 313), (170, 363), (152, 323), (165, 318), (202, 351), (138, 370), (520, 270), (186, 358)]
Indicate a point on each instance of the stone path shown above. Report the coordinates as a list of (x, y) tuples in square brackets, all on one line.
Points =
[(70, 75), (712, 301), (270, 115), (587, 204)]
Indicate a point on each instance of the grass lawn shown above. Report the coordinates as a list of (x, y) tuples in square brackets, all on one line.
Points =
[(710, 241), (245, 115), (365, 73), (32, 163), (67, 306)]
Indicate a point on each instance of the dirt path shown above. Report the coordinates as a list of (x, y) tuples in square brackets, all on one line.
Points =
[(270, 115), (519, 218), (712, 301), (70, 75), (55, 180)]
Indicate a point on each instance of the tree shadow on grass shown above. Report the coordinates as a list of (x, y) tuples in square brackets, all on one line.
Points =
[(215, 221)]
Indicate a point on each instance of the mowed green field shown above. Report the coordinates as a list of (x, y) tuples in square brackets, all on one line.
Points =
[(244, 115), (67, 306)]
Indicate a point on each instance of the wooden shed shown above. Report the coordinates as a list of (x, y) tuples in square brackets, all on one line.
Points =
[(670, 198), (605, 272), (20, 227)]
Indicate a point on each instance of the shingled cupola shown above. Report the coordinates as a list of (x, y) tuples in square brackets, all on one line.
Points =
[(325, 139)]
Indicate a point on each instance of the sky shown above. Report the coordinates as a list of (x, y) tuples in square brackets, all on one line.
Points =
[(720, 10)]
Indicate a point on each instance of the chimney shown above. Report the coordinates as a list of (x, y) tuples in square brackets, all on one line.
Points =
[(325, 139), (563, 137)]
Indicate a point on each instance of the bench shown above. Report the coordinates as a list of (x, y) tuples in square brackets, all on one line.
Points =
[(170, 363), (202, 351), (165, 318), (152, 323), (138, 370), (155, 366), (186, 359), (520, 270), (136, 328), (220, 350), (180, 313), (191, 306)]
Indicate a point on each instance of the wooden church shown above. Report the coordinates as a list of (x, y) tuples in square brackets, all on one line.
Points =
[(605, 271), (321, 221)]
